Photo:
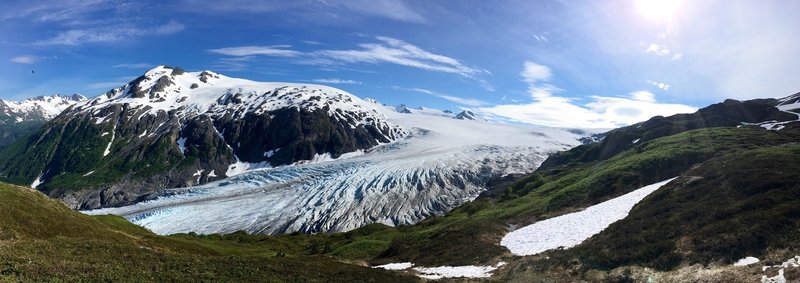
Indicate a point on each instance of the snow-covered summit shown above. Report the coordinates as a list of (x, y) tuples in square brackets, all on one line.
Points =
[(205, 92), (40, 107)]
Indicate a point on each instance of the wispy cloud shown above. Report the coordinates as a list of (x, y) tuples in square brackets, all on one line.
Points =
[(658, 50), (24, 59), (272, 50), (536, 76), (662, 86), (387, 51), (557, 111), (395, 51), (459, 100), (133, 65), (110, 34), (337, 81), (54, 11), (396, 10), (117, 82)]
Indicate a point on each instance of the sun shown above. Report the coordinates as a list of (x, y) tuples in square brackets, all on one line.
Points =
[(658, 10)]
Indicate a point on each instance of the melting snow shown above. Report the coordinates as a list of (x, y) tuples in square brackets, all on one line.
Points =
[(434, 273), (108, 147), (569, 230), (395, 266), (468, 271), (746, 261), (38, 181), (780, 278)]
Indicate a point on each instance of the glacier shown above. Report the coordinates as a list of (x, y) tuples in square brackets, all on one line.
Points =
[(441, 164)]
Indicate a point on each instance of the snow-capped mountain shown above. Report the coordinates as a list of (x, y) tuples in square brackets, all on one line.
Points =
[(441, 164), (468, 115), (40, 108), (22, 118), (171, 128)]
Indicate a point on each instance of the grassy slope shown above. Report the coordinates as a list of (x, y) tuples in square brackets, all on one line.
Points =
[(42, 240), (471, 233), (733, 206)]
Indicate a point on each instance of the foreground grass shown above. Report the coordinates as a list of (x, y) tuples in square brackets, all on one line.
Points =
[(42, 240)]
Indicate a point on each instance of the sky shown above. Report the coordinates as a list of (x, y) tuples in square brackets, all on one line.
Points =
[(582, 63)]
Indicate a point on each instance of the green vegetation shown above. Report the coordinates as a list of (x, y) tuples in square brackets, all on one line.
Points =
[(42, 240), (737, 205), (471, 233)]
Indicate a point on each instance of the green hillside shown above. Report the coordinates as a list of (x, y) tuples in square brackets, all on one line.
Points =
[(43, 240)]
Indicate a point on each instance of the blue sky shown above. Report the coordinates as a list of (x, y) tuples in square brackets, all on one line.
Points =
[(556, 63)]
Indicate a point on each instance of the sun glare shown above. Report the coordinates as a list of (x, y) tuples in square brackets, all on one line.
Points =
[(658, 10)]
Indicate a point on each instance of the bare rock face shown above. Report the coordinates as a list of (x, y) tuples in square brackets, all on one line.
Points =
[(155, 133)]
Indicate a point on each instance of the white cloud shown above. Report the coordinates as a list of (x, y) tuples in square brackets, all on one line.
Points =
[(459, 100), (555, 111), (399, 52), (601, 112), (273, 50), (337, 81), (114, 83), (110, 34), (662, 86), (536, 75), (658, 50), (132, 65), (541, 38), (25, 59), (643, 95), (387, 50), (533, 72)]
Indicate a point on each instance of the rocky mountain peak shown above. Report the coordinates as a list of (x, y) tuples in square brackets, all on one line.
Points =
[(468, 115)]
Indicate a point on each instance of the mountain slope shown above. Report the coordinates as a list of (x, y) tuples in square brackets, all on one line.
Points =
[(170, 128), (730, 113), (21, 118), (43, 240)]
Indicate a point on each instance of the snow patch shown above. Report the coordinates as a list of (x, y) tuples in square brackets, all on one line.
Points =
[(468, 271), (395, 266), (746, 261), (38, 181), (87, 174), (636, 140), (569, 230), (780, 278), (108, 147)]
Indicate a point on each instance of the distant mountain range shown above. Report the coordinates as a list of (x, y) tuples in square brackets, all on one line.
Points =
[(20, 118)]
